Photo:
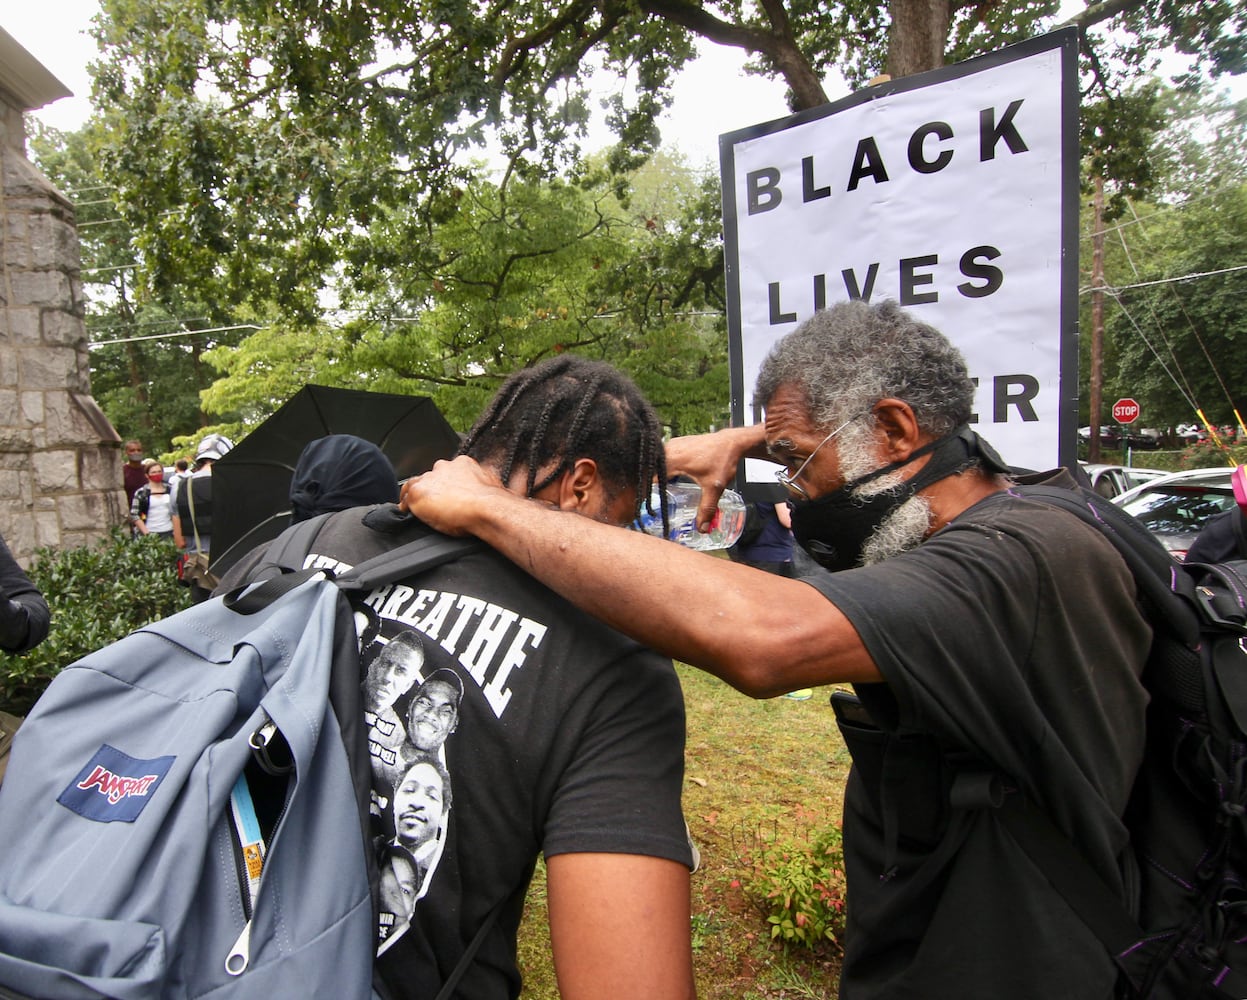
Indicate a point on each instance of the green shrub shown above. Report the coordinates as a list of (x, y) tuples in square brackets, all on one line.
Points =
[(97, 595), (1206, 455), (798, 884)]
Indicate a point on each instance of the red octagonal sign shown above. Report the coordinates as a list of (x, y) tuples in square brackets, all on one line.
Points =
[(1126, 411)]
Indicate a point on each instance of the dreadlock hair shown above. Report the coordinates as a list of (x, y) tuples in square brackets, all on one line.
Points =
[(546, 417)]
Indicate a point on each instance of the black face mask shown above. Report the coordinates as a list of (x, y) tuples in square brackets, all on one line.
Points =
[(834, 529)]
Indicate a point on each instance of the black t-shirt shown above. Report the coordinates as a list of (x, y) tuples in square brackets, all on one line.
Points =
[(1013, 637), (567, 737)]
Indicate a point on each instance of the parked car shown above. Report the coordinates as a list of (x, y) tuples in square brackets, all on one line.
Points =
[(1115, 436), (1175, 507), (1113, 480)]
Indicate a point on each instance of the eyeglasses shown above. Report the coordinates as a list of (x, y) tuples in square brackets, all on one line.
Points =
[(789, 482)]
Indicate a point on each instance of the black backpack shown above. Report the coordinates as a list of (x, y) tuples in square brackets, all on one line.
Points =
[(1188, 809)]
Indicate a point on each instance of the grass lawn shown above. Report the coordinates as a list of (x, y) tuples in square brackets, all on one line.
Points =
[(755, 772)]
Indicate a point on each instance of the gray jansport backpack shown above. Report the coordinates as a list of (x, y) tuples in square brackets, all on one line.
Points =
[(181, 815)]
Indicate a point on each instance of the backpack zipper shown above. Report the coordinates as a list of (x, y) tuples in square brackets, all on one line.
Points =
[(250, 849), (248, 845)]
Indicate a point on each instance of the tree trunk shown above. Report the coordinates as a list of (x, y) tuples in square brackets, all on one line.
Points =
[(918, 35), (1096, 378)]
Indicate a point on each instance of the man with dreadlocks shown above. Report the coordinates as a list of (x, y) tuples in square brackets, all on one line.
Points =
[(567, 738)]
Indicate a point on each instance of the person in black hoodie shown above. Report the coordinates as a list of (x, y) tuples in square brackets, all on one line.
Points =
[(24, 615), (333, 473)]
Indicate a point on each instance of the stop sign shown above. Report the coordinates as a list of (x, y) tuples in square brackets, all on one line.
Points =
[(1126, 411)]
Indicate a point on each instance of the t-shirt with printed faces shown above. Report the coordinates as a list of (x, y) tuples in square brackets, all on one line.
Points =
[(503, 723), (1011, 637)]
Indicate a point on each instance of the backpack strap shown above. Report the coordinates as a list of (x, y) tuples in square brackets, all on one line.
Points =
[(465, 960), (1240, 531), (291, 547), (1169, 591), (1070, 874), (407, 560)]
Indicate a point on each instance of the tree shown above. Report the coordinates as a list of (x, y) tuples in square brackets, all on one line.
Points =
[(1179, 328), (1165, 340), (517, 272), (252, 141)]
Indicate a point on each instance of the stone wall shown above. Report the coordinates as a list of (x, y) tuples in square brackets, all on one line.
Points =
[(60, 462)]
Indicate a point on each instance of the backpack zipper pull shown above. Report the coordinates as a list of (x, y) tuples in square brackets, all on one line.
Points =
[(270, 750), (239, 956)]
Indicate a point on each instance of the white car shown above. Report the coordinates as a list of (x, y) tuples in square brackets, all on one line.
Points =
[(1112, 480), (1175, 507)]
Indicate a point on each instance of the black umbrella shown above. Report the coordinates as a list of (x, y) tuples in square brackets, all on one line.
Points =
[(251, 483)]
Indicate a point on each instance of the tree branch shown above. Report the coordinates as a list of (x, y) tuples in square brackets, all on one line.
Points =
[(778, 44), (1096, 13)]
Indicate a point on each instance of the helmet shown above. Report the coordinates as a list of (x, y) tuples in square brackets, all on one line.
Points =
[(212, 447)]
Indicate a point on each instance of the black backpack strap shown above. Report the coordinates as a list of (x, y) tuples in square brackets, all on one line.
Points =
[(1070, 874), (424, 553), (1157, 574), (1239, 520), (465, 960), (290, 548), (281, 569)]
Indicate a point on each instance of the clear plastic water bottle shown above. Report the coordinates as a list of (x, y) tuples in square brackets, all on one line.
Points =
[(682, 501)]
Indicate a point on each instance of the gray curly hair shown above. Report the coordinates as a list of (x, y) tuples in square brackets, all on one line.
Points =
[(848, 357)]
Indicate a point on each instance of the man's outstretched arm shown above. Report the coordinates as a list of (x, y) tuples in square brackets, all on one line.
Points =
[(763, 634), (620, 927)]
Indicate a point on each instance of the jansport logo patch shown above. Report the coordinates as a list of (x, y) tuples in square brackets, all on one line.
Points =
[(113, 786)]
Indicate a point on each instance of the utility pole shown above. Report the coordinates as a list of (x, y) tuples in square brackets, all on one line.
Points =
[(1096, 380)]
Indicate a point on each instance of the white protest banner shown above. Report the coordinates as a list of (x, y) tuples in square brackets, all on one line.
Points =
[(955, 193)]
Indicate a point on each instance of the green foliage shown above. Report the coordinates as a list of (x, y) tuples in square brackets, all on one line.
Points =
[(514, 273), (1210, 454), (97, 595), (251, 144), (798, 884), (1117, 135), (265, 161), (1179, 344)]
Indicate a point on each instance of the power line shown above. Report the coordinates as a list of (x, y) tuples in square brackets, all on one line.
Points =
[(1184, 277), (176, 333)]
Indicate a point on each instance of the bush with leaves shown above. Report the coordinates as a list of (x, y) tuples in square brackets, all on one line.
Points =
[(797, 882), (97, 594), (1209, 455)]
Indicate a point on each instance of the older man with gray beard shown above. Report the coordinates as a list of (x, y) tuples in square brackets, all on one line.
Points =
[(977, 626)]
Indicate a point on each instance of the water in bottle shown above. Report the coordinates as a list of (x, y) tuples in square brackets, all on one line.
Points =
[(682, 501)]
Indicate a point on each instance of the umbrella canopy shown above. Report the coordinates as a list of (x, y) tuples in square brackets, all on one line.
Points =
[(251, 483)]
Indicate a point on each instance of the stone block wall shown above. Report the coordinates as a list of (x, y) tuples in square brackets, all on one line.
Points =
[(60, 461)]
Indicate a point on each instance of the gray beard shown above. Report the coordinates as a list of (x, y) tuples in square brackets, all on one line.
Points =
[(905, 527)]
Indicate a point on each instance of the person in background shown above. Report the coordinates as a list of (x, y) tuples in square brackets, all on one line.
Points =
[(24, 615), (193, 531), (191, 500), (766, 542), (337, 472), (132, 471), (181, 469), (333, 473), (1223, 536), (151, 510), (975, 625)]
